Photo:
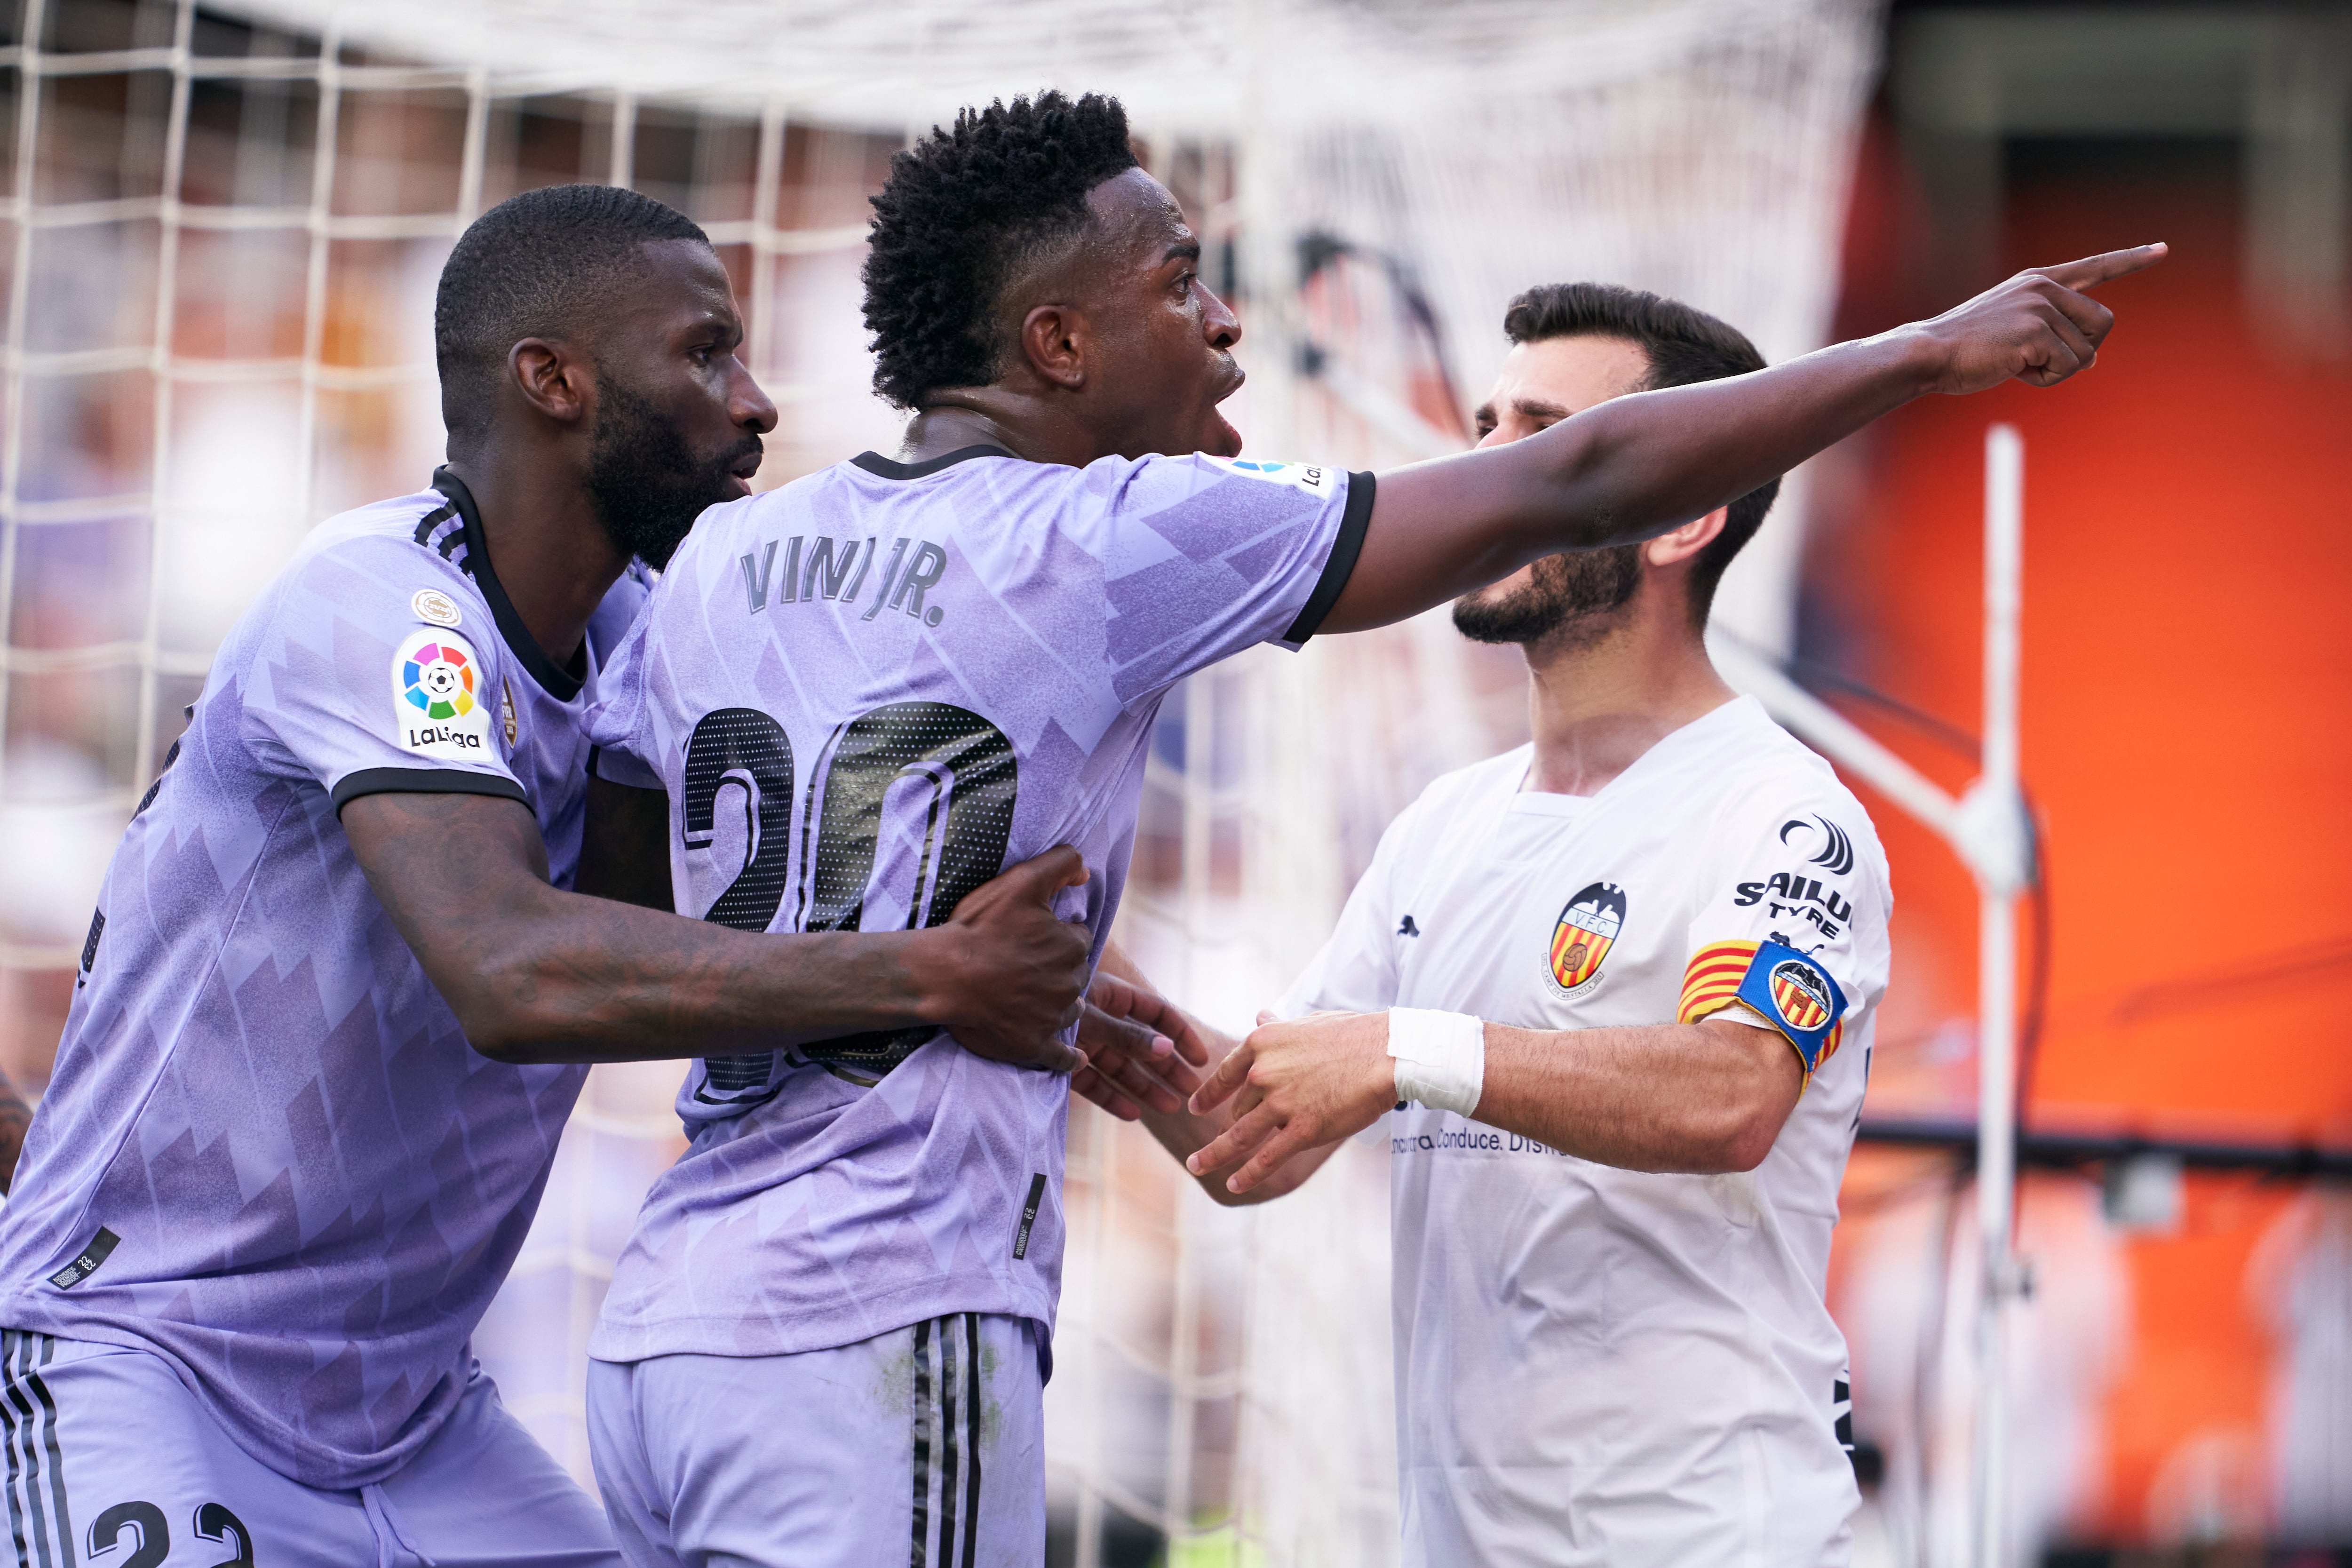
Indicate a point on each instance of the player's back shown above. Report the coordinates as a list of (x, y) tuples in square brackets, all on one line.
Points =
[(269, 1153), (866, 693)]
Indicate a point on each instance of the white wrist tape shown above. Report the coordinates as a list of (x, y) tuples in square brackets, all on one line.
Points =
[(1441, 1058)]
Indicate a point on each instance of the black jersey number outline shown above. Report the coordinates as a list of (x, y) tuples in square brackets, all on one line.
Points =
[(964, 763), (153, 1535)]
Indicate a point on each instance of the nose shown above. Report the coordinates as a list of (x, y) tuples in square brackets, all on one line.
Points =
[(1218, 322), (749, 408)]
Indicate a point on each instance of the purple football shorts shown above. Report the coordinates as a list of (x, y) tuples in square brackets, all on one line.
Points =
[(924, 1446)]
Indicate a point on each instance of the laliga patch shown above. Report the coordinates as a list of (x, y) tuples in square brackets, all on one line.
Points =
[(1587, 928), (439, 706), (432, 606), (1312, 478), (1798, 997)]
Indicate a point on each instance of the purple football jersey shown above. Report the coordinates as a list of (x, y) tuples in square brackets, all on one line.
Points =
[(268, 1154), (866, 693)]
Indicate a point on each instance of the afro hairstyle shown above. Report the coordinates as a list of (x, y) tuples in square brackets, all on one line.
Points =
[(532, 267), (961, 211)]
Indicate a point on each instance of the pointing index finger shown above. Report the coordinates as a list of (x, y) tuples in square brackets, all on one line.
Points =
[(2092, 270)]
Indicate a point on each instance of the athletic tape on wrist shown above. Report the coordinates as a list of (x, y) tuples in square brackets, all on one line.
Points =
[(1441, 1058)]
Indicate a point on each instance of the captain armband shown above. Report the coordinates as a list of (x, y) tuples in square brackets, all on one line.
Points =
[(1785, 988)]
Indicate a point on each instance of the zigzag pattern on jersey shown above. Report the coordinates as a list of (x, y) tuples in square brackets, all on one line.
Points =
[(1711, 983), (443, 532)]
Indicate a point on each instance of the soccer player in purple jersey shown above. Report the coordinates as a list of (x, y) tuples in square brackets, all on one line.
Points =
[(328, 1019), (851, 697)]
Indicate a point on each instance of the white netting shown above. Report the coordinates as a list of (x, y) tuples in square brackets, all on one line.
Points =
[(225, 228)]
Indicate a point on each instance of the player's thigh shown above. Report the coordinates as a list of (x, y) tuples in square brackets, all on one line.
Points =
[(484, 1494), (109, 1459), (922, 1446), (635, 1504)]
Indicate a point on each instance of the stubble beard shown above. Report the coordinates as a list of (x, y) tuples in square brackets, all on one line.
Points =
[(1569, 600), (644, 480)]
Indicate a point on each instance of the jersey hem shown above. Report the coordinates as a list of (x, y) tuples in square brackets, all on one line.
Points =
[(733, 1334), (423, 781), (1355, 517), (277, 1448)]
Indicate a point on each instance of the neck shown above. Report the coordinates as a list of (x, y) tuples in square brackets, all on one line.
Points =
[(1596, 703), (1023, 424), (552, 556)]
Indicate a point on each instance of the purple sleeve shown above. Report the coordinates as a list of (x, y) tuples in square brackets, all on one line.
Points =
[(379, 674), (1204, 556)]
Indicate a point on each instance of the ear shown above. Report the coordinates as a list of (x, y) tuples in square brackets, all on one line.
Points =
[(1672, 549), (553, 378), (1053, 340)]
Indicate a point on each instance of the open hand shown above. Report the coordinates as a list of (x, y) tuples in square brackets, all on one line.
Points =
[(1142, 1050), (1294, 1086), (2040, 326), (1013, 971)]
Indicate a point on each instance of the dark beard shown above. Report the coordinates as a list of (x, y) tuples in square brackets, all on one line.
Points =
[(1581, 586), (644, 481)]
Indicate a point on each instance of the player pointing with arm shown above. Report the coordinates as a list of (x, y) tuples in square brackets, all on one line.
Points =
[(1623, 979), (927, 665), (314, 1073)]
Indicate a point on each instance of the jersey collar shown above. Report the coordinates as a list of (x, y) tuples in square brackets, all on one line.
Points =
[(561, 684), (885, 467)]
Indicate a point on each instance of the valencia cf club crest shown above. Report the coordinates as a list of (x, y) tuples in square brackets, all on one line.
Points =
[(1801, 994), (1581, 938)]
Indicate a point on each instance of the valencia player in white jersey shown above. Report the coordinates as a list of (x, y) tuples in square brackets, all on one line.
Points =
[(1618, 986), (851, 697)]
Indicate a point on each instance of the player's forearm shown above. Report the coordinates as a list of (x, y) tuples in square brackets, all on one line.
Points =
[(1697, 1097), (585, 980), (1632, 467), (538, 975), (1624, 470)]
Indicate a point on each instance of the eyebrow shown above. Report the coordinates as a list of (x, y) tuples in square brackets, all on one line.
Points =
[(1190, 250), (1530, 408)]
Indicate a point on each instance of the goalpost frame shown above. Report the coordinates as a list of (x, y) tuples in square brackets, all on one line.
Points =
[(1986, 826)]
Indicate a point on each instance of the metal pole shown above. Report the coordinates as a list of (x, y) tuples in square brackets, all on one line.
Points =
[(1996, 988)]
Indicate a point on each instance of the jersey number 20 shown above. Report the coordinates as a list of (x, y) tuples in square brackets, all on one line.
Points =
[(942, 776)]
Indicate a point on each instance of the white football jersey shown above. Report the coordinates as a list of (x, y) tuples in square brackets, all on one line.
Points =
[(1600, 1366)]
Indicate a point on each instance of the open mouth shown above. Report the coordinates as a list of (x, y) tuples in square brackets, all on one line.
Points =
[(1231, 445)]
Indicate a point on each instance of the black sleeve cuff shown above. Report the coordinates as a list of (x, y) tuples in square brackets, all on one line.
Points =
[(1340, 563), (423, 781)]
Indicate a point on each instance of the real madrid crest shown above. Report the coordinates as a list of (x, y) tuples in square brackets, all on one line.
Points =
[(1587, 928)]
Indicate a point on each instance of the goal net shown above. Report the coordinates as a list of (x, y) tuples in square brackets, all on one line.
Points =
[(225, 226)]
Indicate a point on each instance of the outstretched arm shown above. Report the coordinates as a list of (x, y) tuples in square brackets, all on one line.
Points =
[(536, 974), (1636, 467), (1706, 1098)]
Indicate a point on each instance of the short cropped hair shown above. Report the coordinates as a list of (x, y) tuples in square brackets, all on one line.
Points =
[(531, 266), (1683, 345), (962, 210)]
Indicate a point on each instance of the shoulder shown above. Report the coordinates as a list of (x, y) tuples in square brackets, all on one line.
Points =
[(1171, 480), (399, 548), (1771, 785), (1457, 798)]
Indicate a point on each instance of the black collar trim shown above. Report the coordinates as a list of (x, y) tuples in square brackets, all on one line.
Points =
[(885, 467), (562, 685)]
